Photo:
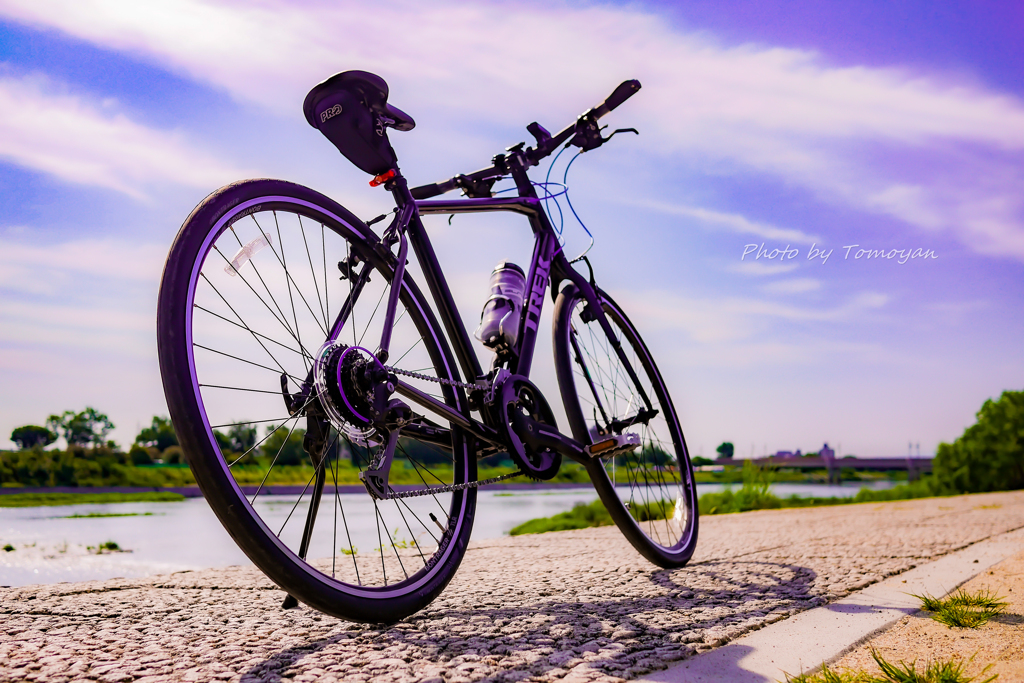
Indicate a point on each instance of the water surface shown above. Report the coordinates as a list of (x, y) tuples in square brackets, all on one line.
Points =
[(166, 537)]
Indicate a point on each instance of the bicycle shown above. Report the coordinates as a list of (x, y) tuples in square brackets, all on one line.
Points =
[(255, 321)]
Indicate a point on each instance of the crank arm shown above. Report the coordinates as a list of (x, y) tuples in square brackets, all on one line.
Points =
[(644, 416), (538, 434)]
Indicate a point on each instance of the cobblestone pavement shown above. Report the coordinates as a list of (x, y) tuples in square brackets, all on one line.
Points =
[(575, 605)]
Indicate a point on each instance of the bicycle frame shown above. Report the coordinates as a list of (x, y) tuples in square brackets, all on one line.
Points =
[(548, 265)]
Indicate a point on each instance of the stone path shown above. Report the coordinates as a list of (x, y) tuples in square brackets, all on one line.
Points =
[(575, 605)]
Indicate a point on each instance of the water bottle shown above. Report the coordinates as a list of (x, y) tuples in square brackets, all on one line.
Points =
[(499, 321)]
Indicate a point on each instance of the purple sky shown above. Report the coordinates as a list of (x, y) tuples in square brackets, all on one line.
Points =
[(883, 125)]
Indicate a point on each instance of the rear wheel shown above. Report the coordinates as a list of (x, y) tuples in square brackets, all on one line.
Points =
[(261, 276), (650, 492)]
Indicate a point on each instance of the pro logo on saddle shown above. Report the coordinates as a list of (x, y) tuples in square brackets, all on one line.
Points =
[(351, 109), (330, 113)]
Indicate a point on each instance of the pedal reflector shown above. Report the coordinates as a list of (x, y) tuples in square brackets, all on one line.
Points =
[(613, 445)]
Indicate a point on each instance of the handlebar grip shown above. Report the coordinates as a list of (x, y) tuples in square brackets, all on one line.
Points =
[(432, 189), (622, 93)]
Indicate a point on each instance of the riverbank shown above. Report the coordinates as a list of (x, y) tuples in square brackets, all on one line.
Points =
[(68, 495), (108, 469), (754, 495), (570, 606)]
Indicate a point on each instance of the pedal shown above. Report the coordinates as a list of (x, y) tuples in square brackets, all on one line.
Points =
[(616, 444)]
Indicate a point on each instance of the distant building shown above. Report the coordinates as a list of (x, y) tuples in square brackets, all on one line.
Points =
[(827, 453)]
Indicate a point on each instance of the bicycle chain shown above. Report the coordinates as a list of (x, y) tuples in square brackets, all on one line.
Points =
[(445, 488), (428, 378), (451, 488)]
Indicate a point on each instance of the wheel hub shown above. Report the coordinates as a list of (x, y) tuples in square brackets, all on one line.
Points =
[(345, 390)]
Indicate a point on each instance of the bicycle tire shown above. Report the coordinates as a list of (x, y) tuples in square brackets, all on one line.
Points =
[(656, 508), (212, 332)]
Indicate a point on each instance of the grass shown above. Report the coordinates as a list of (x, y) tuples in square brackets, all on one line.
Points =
[(96, 515), (105, 548), (22, 500), (755, 494), (582, 516), (963, 609), (938, 671)]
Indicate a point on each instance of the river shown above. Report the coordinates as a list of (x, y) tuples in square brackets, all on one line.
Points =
[(50, 546)]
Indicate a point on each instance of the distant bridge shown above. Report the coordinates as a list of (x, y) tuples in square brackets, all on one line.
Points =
[(914, 467)]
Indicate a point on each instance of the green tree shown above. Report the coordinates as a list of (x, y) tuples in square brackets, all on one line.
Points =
[(238, 439), (287, 448), (725, 450), (241, 438), (699, 461), (989, 455), (81, 429), (31, 436), (655, 456), (160, 434)]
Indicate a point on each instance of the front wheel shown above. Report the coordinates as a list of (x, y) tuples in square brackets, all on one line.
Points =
[(650, 492), (263, 277)]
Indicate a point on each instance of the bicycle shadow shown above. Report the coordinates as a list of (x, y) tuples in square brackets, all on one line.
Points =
[(691, 610)]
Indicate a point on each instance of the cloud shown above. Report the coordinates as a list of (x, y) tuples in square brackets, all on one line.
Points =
[(713, 321), (793, 286), (108, 258), (79, 142), (788, 113), (732, 222), (758, 269), (96, 294)]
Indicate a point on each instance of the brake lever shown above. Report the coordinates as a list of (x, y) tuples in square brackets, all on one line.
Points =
[(588, 134), (617, 131)]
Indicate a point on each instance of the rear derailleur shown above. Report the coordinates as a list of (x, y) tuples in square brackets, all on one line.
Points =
[(356, 391)]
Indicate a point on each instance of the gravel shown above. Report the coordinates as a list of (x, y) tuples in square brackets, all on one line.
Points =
[(573, 606)]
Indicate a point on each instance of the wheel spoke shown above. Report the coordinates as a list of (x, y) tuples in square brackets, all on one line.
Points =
[(654, 476), (260, 328)]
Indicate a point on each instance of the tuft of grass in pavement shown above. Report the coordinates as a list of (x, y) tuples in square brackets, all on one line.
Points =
[(984, 599), (963, 609), (949, 671), (827, 675), (938, 671)]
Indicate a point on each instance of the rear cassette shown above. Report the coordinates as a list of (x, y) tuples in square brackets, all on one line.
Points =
[(337, 374)]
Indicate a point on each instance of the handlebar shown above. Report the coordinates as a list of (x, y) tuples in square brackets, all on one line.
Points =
[(583, 133)]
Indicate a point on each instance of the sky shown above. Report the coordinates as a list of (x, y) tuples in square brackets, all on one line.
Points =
[(806, 130)]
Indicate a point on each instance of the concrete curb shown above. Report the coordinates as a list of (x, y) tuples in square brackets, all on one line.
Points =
[(824, 634)]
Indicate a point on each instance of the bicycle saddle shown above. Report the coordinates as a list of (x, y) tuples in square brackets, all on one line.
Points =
[(371, 89)]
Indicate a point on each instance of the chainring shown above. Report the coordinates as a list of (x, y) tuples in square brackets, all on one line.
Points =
[(519, 394)]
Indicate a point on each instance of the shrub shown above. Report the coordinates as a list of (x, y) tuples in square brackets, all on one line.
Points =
[(989, 456), (285, 447), (139, 455), (173, 455)]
